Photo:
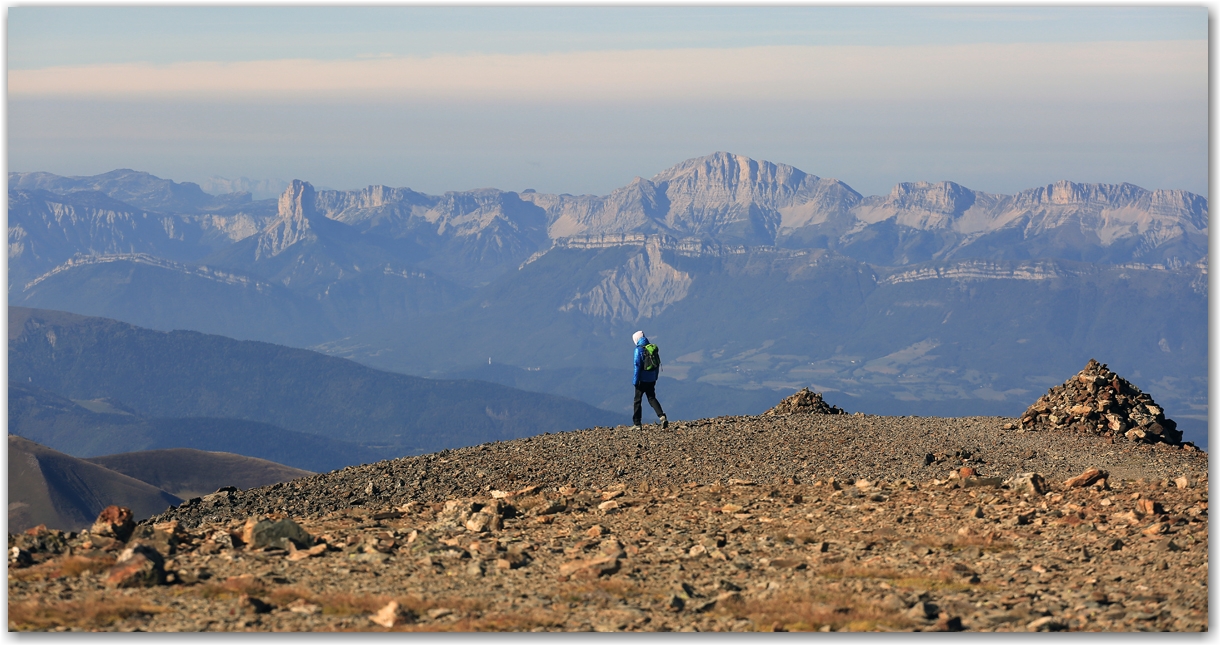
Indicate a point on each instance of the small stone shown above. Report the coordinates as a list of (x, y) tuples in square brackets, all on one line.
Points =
[(137, 566), (1156, 529), (550, 507), (512, 560), (1021, 519), (19, 557), (1170, 545), (483, 522), (1029, 484), (590, 568), (391, 615), (949, 624), (965, 471), (302, 606), (1148, 507), (705, 606), (1182, 482), (251, 605), (295, 554), (1086, 478), (1046, 624), (923, 611), (596, 531)]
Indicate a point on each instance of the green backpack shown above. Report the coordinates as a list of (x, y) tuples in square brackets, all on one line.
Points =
[(652, 357)]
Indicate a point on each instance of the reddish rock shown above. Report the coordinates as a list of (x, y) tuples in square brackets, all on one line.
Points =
[(590, 568), (1087, 478), (114, 522), (1149, 507)]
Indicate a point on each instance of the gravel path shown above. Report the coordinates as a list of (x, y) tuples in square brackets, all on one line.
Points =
[(775, 449)]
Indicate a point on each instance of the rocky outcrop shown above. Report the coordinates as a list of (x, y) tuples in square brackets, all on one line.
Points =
[(804, 402), (292, 224), (1098, 401), (642, 288)]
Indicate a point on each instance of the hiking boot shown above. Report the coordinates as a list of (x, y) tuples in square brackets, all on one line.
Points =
[(637, 427), (664, 421)]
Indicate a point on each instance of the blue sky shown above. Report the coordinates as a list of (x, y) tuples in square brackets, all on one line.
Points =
[(582, 99)]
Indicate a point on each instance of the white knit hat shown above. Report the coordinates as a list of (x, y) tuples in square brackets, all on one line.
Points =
[(635, 338)]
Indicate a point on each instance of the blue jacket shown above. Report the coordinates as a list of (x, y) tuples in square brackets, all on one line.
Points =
[(642, 375)]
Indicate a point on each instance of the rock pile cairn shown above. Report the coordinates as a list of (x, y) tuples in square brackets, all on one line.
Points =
[(804, 402), (1098, 401)]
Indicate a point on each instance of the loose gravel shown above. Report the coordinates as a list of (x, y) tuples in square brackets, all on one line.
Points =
[(768, 449)]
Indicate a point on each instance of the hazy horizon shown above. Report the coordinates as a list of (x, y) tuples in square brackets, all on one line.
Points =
[(584, 99)]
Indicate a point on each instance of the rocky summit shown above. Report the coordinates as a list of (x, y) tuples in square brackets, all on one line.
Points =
[(804, 402), (1098, 401), (781, 522)]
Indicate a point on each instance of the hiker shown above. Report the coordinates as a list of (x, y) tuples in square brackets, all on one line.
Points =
[(647, 368)]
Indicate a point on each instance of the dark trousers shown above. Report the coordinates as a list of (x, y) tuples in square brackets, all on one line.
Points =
[(651, 390)]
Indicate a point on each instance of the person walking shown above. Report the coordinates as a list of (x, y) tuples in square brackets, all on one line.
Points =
[(647, 369)]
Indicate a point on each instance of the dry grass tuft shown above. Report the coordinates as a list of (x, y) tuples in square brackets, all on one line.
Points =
[(796, 612), (939, 581), (89, 613), (525, 620), (281, 596), (233, 587), (74, 566), (71, 566), (351, 604)]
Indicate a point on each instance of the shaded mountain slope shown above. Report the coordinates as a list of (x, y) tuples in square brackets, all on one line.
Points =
[(180, 374), (91, 428), (187, 473), (48, 487), (159, 294)]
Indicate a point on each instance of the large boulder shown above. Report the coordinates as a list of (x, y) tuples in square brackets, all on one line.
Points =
[(266, 533), (1098, 401)]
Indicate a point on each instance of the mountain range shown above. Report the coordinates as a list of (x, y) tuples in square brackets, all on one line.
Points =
[(753, 276)]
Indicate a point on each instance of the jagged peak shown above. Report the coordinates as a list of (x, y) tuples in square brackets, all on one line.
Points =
[(297, 207), (298, 201), (728, 165)]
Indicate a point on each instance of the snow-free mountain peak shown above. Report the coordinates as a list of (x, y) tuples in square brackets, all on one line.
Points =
[(297, 208)]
